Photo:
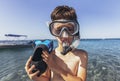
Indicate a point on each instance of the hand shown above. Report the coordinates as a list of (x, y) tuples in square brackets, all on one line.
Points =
[(30, 68), (53, 61), (49, 59)]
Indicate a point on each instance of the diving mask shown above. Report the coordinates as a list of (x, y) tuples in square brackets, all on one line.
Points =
[(58, 26)]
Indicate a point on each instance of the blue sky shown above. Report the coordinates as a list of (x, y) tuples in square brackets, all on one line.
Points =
[(97, 18)]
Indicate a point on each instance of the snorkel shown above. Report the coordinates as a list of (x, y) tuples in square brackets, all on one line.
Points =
[(74, 45)]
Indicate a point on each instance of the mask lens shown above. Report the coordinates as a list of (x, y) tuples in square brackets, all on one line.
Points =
[(57, 27)]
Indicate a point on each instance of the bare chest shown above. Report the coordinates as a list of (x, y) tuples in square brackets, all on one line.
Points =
[(69, 63)]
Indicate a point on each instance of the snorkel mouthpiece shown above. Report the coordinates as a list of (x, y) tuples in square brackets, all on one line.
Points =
[(75, 44), (66, 49)]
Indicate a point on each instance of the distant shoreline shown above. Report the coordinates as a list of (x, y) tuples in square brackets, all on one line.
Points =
[(15, 46), (101, 39), (55, 39), (28, 43)]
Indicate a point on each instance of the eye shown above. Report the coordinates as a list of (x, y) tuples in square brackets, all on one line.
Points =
[(71, 29), (58, 29)]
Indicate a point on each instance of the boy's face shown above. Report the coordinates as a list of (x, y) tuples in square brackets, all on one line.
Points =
[(64, 30)]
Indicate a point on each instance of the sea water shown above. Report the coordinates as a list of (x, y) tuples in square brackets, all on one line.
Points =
[(103, 61)]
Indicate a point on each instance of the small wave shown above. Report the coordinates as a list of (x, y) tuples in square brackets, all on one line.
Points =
[(16, 76)]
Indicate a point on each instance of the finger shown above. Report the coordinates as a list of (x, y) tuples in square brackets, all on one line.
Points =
[(27, 66), (43, 56), (45, 61), (35, 74), (31, 69), (45, 53)]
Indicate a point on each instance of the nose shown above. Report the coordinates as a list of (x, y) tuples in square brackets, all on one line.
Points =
[(65, 34)]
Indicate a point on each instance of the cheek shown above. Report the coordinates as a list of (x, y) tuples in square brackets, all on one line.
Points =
[(71, 39), (59, 39)]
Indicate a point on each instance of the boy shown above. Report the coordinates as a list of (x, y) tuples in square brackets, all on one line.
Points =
[(66, 62)]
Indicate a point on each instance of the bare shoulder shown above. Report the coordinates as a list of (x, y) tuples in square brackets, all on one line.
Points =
[(81, 53), (83, 57)]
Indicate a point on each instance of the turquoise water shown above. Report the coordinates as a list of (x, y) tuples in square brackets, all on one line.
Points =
[(103, 63)]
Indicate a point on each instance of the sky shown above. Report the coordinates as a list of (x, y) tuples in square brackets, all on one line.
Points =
[(97, 18)]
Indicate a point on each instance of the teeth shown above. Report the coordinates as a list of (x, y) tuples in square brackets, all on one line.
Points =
[(65, 44)]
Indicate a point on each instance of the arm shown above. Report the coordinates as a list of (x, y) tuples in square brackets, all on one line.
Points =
[(44, 77)]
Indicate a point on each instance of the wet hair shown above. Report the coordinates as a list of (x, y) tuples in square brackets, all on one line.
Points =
[(64, 12)]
